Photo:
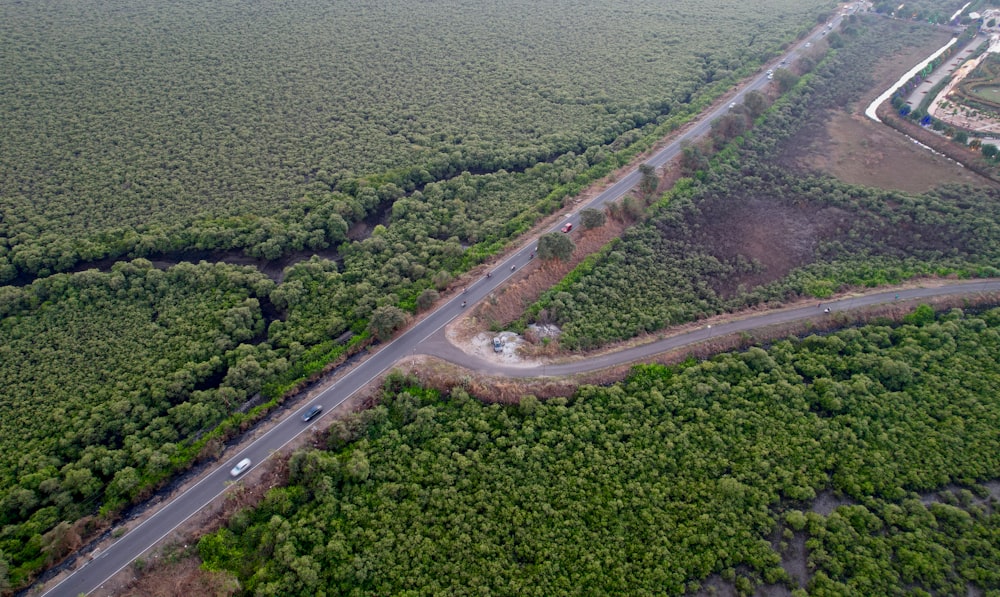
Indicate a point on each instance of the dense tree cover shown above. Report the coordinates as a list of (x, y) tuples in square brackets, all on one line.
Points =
[(106, 376), (880, 547), (145, 130), (134, 127), (651, 485), (747, 230)]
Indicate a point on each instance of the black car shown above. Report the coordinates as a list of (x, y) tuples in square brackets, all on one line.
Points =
[(312, 412)]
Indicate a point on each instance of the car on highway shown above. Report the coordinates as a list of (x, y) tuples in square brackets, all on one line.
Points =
[(240, 467), (732, 105), (312, 412), (809, 44), (567, 226)]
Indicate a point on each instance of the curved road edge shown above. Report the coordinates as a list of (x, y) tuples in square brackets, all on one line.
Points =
[(93, 572), (442, 348)]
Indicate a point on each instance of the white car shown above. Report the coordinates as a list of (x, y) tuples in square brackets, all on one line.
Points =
[(240, 467)]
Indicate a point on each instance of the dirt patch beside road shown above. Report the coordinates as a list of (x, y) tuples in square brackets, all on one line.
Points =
[(859, 151), (775, 235), (848, 146)]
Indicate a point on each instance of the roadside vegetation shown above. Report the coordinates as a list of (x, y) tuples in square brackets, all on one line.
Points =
[(132, 131), (155, 131), (655, 484), (107, 379), (744, 230)]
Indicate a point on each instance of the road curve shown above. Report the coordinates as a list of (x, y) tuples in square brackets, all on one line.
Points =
[(444, 349), (97, 569)]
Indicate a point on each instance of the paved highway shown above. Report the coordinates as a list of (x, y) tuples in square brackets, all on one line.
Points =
[(133, 544)]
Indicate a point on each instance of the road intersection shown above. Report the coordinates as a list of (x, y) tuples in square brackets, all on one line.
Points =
[(93, 572)]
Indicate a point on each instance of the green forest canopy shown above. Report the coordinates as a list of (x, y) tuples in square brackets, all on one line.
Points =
[(106, 378), (748, 229), (138, 118), (649, 486), (202, 373)]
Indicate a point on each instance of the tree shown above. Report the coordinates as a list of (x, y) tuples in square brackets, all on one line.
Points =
[(961, 137), (990, 150), (385, 320), (650, 181), (922, 315), (427, 298), (786, 79), (58, 542), (693, 158), (555, 245), (592, 218), (756, 103), (728, 127), (441, 279)]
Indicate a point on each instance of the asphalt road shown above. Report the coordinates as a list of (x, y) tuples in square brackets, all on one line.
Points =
[(944, 70), (440, 347), (133, 544)]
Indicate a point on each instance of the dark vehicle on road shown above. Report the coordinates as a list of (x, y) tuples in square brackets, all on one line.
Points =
[(312, 412)]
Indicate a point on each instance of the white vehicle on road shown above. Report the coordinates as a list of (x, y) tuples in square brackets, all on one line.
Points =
[(240, 467)]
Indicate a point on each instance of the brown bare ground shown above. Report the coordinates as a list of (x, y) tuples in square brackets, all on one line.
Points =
[(852, 148), (181, 577), (777, 235), (859, 151), (509, 303)]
